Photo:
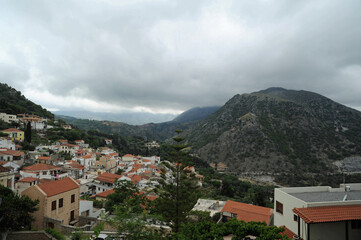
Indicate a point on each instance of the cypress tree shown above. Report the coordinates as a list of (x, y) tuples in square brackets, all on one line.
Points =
[(28, 133)]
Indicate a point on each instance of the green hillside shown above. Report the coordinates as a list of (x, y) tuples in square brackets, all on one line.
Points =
[(13, 102)]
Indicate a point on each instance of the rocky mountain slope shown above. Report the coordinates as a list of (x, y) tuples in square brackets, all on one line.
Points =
[(278, 131)]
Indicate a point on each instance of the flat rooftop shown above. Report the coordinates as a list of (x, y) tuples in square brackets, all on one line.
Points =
[(323, 196)]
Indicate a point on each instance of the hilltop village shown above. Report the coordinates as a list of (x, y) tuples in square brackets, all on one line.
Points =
[(73, 183)]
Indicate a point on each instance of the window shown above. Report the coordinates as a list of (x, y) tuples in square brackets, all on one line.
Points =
[(61, 202), (295, 218), (53, 205), (279, 207), (72, 198), (356, 224)]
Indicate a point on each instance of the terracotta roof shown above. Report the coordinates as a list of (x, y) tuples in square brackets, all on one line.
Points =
[(28, 179), (44, 158), (136, 178), (41, 167), (248, 212), (151, 198), (56, 187), (7, 151), (288, 232), (69, 145), (329, 214), (104, 194), (129, 155), (108, 177), (45, 180), (11, 130), (75, 164), (152, 166)]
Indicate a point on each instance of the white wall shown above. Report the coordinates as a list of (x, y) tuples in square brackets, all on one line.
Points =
[(289, 202)]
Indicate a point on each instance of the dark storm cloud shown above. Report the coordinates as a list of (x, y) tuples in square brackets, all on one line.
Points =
[(173, 55)]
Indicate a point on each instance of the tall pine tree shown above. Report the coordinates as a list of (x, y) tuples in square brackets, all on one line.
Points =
[(178, 193)]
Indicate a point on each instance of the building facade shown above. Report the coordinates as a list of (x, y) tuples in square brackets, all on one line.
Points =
[(59, 203), (320, 212)]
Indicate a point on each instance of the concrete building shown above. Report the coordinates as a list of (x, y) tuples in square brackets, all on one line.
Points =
[(320, 212), (59, 203), (14, 134), (7, 177), (43, 171), (208, 205), (5, 143), (8, 118), (105, 182), (107, 162), (25, 183)]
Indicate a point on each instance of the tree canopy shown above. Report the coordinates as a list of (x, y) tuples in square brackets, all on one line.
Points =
[(15, 211)]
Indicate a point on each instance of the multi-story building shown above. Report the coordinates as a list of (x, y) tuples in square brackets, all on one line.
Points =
[(8, 117), (105, 182), (59, 203), (107, 162), (7, 177), (320, 212), (14, 134), (43, 171)]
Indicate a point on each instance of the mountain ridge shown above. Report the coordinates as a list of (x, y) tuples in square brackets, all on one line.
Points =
[(272, 128)]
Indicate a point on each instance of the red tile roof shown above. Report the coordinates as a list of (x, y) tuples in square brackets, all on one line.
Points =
[(248, 212), (136, 178), (41, 167), (108, 177), (75, 164), (44, 158), (329, 214), (56, 187), (7, 151), (28, 180), (11, 130), (288, 232), (129, 155), (104, 194)]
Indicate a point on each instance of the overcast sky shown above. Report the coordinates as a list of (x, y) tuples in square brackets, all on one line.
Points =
[(169, 56)]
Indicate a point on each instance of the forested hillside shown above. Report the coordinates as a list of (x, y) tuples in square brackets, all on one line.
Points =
[(13, 102)]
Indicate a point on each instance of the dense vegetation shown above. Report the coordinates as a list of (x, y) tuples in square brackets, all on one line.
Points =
[(13, 102)]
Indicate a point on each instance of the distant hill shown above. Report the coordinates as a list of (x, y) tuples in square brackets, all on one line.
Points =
[(133, 118), (278, 131), (13, 102), (195, 114), (151, 131)]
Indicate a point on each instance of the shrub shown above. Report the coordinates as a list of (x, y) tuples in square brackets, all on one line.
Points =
[(55, 233)]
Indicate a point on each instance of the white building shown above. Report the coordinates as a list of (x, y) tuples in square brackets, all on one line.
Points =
[(8, 117), (5, 143), (320, 212)]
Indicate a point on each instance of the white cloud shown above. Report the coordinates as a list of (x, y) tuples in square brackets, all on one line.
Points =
[(168, 56)]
